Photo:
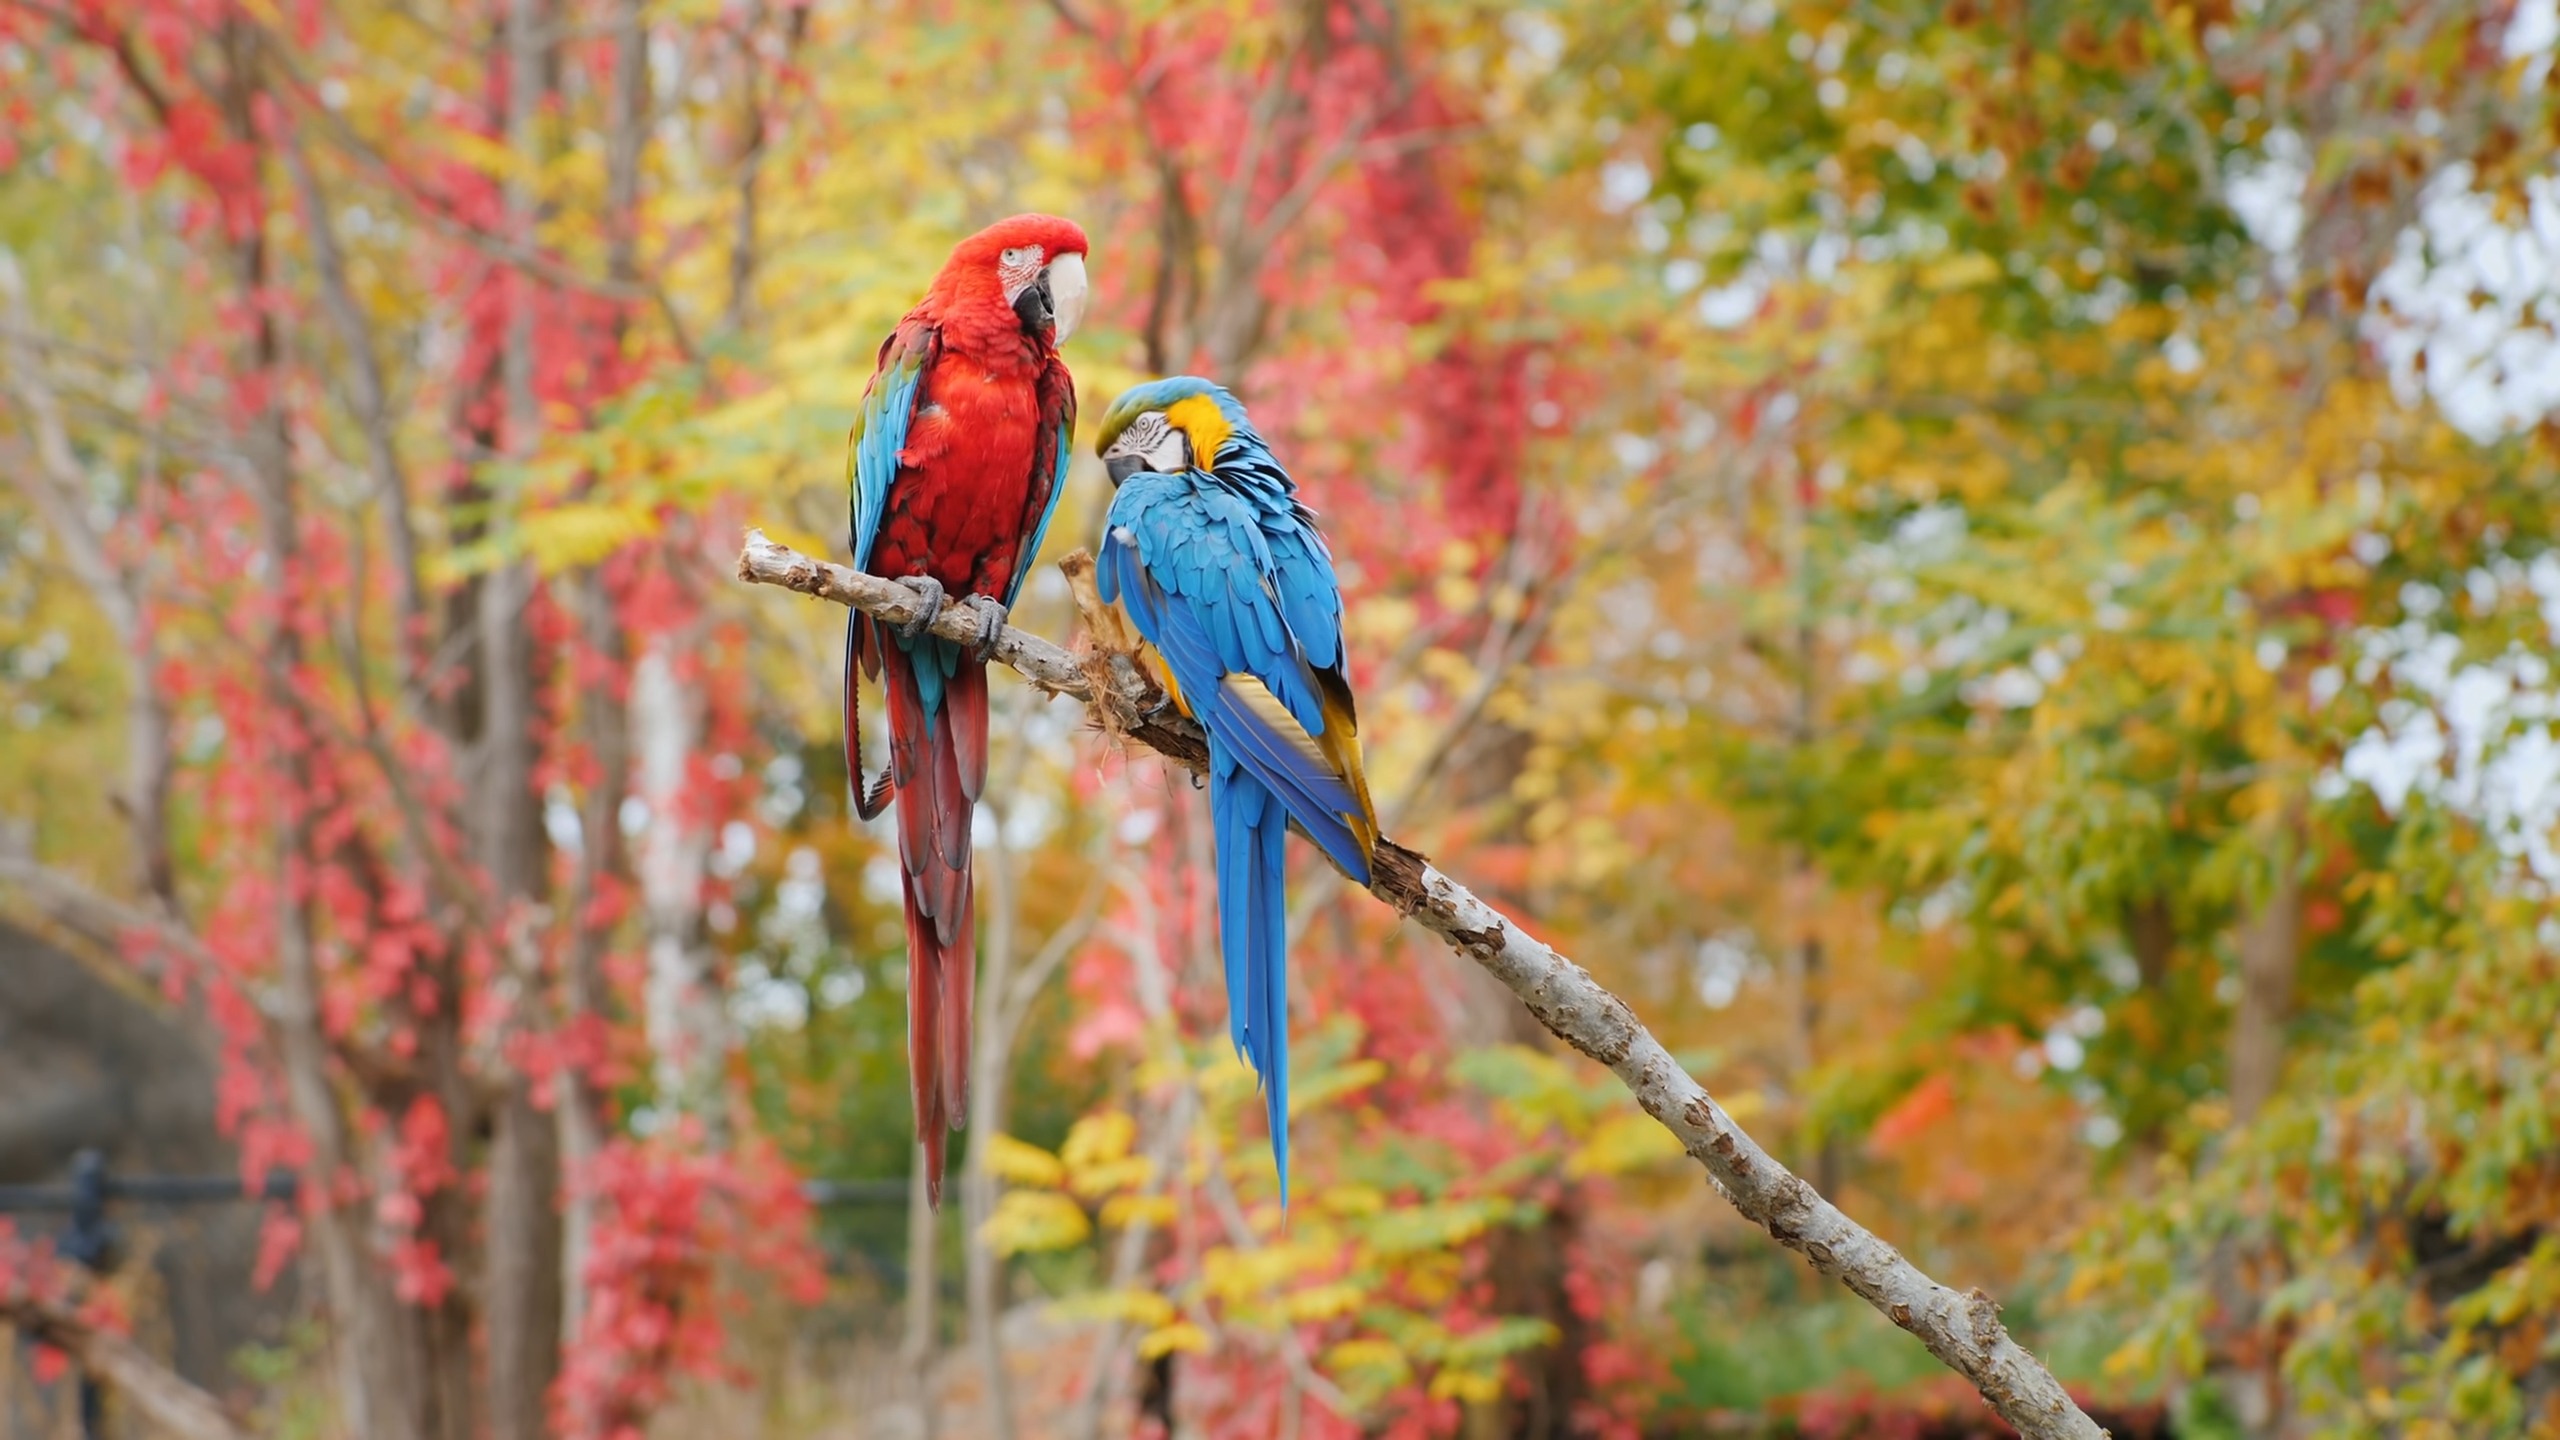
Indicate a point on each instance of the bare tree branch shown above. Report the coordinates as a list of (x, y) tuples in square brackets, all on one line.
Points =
[(171, 1404), (372, 402), (1962, 1329), (54, 484), (512, 250), (96, 917)]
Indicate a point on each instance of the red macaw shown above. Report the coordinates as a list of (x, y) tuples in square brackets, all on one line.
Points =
[(958, 458)]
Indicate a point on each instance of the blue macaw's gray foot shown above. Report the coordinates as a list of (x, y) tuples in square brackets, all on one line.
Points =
[(991, 617), (932, 592)]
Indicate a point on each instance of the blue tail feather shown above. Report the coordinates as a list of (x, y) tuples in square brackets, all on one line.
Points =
[(1271, 929), (1251, 830), (1235, 804), (935, 661)]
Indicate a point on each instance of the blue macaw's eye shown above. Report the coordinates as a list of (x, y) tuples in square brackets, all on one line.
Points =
[(1149, 444)]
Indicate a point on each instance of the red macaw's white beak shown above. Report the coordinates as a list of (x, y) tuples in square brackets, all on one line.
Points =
[(1067, 294)]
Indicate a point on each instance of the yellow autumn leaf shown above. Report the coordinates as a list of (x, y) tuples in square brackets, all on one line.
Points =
[(1226, 1078), (1127, 1173), (1351, 1199), (565, 537), (1431, 1279), (1122, 1211), (487, 154), (1233, 1274), (756, 413), (1323, 1302), (1378, 1361), (1020, 1163), (1467, 1385), (1034, 1220), (1181, 1335), (1098, 1139), (1623, 1143), (1319, 1089), (1134, 1307)]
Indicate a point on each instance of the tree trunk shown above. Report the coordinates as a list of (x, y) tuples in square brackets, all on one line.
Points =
[(577, 1099), (689, 1033), (991, 1073), (2268, 947), (385, 1374), (2267, 950), (924, 1298), (521, 1282)]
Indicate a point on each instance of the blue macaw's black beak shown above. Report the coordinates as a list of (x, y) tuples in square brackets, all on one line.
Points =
[(1039, 314), (1123, 466)]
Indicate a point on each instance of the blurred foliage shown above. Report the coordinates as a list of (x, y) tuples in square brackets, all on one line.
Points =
[(1894, 532)]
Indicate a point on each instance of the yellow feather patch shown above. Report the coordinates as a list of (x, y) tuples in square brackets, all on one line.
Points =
[(1257, 697), (1337, 750), (1164, 674), (1341, 742), (1197, 416)]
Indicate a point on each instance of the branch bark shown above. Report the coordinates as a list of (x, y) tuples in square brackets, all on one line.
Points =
[(171, 1404), (1962, 1329)]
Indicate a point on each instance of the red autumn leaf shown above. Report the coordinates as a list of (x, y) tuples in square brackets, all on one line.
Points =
[(1929, 1102)]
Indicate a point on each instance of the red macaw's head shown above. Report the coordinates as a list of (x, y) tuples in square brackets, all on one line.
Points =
[(1032, 265)]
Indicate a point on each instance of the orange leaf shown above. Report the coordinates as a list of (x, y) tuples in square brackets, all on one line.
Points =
[(1929, 1102)]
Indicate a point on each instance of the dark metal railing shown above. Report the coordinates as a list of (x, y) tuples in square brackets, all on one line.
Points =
[(90, 1238), (92, 1186)]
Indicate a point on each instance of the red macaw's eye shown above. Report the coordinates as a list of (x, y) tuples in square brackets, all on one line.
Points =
[(1018, 268)]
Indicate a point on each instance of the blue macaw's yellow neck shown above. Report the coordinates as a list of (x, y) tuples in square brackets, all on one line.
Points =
[(1198, 416)]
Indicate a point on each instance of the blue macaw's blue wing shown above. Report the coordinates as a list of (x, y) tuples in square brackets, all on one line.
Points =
[(1191, 565), (1310, 595)]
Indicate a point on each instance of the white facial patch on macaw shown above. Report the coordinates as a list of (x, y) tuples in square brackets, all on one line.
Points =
[(1156, 442), (1017, 268)]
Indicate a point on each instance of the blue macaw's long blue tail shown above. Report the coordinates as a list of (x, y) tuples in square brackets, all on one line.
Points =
[(1251, 828)]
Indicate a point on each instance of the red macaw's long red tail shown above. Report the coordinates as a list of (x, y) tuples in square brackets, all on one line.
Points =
[(938, 761)]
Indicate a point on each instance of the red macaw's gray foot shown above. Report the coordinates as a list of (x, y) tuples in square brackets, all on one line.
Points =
[(932, 596), (991, 615)]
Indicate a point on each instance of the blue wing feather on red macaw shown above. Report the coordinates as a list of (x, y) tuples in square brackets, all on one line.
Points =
[(1223, 572), (957, 460)]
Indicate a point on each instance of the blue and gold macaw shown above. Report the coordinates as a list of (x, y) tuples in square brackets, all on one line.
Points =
[(1210, 553)]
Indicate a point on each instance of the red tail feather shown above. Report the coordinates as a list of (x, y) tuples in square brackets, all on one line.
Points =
[(938, 769), (965, 697), (925, 1025), (959, 979)]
